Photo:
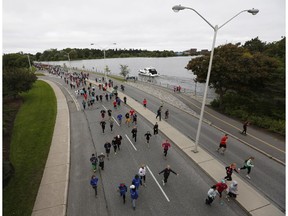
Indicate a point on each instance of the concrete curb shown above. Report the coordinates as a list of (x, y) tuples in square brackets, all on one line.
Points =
[(52, 194)]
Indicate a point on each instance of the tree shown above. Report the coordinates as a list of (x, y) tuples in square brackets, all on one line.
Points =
[(124, 71)]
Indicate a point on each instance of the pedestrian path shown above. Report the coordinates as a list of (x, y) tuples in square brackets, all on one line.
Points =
[(52, 194)]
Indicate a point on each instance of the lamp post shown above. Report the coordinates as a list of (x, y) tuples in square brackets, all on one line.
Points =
[(29, 62), (177, 8), (68, 54), (104, 54)]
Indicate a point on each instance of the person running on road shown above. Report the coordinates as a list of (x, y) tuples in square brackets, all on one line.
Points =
[(107, 147), (155, 128), (221, 186), (248, 164), (145, 103), (142, 174), (167, 114), (94, 161), (93, 183), (127, 121), (103, 123), (166, 145), (101, 161), (245, 125), (223, 144), (119, 117), (84, 104), (134, 118), (136, 181), (166, 172), (134, 133), (125, 100), (229, 171), (134, 196), (111, 121), (212, 193), (232, 190), (122, 189), (109, 113), (102, 112), (159, 111), (148, 135), (114, 144), (118, 139)]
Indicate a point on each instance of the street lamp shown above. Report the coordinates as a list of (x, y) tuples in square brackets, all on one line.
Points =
[(29, 62), (177, 8), (68, 54), (104, 52)]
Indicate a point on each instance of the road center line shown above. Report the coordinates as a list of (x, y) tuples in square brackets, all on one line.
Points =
[(116, 121), (158, 184), (131, 142), (104, 107)]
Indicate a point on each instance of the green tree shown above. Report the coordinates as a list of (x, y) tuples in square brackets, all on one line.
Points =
[(124, 71)]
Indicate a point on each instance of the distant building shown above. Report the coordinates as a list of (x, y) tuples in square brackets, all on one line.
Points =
[(204, 51), (192, 51)]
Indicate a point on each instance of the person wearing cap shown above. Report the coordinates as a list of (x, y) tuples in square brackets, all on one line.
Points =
[(221, 186), (134, 196), (101, 161), (233, 190), (166, 172), (122, 189)]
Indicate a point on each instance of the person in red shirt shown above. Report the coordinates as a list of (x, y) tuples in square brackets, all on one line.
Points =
[(223, 144), (221, 186), (145, 103), (166, 145)]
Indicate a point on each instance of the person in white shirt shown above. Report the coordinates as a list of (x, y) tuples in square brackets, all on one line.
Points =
[(142, 174)]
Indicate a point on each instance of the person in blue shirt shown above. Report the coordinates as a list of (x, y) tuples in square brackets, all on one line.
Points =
[(137, 181), (93, 183), (123, 189), (119, 117), (134, 195)]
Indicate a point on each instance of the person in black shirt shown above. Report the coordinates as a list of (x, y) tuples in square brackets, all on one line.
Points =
[(166, 172)]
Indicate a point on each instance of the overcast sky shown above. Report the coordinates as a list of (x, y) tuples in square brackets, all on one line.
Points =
[(34, 26)]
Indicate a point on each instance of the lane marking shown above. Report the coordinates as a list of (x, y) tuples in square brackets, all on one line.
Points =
[(131, 142), (116, 121), (73, 98), (158, 183), (104, 107), (268, 144)]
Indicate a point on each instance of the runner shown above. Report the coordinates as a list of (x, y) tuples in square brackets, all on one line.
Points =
[(118, 139), (127, 116), (134, 118), (155, 128), (229, 171), (166, 114), (166, 172), (220, 187), (148, 135), (248, 164), (84, 104), (125, 100), (107, 147), (145, 103), (114, 144), (136, 181), (93, 183), (159, 111), (109, 113), (212, 193), (94, 161), (101, 161), (134, 133), (232, 190), (123, 189), (134, 196), (223, 144), (103, 123), (111, 121), (119, 117), (142, 174), (166, 145), (102, 112), (245, 125)]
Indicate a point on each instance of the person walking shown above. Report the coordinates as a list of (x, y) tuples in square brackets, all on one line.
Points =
[(232, 190), (159, 111), (134, 133), (212, 193), (103, 123), (220, 187), (109, 113), (166, 145), (102, 112), (107, 147), (142, 174), (125, 100), (127, 121), (166, 114), (111, 121), (84, 104), (136, 181), (148, 135), (223, 144), (118, 139), (114, 144), (94, 161), (248, 164), (134, 196), (134, 118), (166, 173), (122, 189), (245, 125), (101, 161), (94, 183), (145, 103), (155, 128), (119, 117), (229, 171)]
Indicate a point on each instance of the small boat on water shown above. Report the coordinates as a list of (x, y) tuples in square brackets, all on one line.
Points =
[(149, 71)]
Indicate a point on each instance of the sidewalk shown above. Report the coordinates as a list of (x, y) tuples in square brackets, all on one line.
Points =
[(52, 194)]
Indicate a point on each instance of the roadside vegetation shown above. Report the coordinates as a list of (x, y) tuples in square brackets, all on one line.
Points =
[(249, 81)]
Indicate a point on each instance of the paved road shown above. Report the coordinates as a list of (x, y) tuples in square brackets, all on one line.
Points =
[(185, 193)]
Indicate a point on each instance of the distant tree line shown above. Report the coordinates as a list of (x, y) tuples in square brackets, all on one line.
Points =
[(249, 81), (78, 54)]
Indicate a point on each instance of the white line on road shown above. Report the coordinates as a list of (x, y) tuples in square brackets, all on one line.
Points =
[(73, 98), (131, 142), (116, 121), (158, 184), (104, 107)]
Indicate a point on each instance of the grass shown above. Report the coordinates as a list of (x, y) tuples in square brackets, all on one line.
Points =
[(30, 143)]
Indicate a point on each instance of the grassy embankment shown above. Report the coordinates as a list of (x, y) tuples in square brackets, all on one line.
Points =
[(29, 148)]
